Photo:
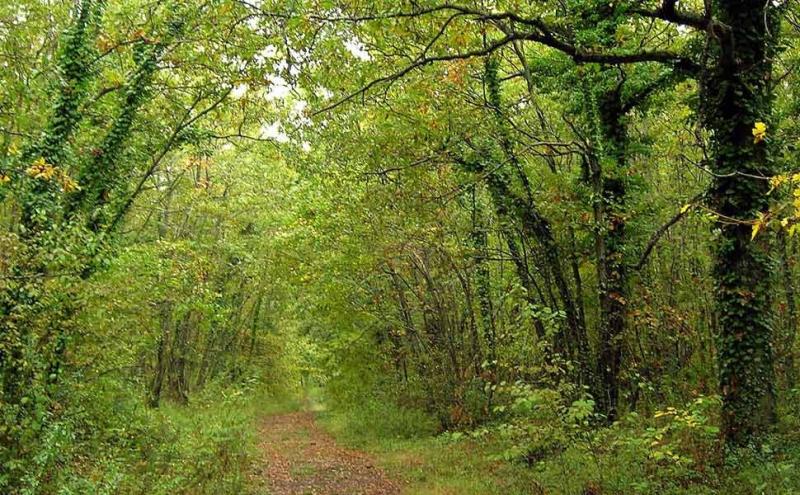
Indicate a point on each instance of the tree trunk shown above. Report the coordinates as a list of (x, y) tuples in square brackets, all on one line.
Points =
[(527, 282), (479, 238), (608, 181), (512, 206), (737, 94)]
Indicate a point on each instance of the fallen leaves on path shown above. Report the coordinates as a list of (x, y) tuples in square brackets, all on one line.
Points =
[(301, 459)]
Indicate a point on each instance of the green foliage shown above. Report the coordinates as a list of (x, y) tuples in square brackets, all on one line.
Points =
[(110, 442), (374, 418), (526, 244), (547, 446)]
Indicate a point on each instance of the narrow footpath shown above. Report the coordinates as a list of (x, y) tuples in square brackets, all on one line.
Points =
[(299, 458)]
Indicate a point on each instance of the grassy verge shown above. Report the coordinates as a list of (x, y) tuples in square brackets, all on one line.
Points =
[(635, 457)]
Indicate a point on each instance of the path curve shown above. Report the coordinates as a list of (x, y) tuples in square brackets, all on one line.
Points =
[(298, 458)]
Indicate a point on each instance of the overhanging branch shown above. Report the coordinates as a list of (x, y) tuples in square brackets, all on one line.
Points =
[(547, 39)]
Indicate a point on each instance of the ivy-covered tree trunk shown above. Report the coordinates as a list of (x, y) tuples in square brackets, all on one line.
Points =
[(608, 180), (39, 200), (790, 331), (30, 363), (737, 95), (482, 278)]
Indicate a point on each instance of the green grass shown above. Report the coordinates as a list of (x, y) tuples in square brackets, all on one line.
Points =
[(433, 466), (303, 470), (426, 463)]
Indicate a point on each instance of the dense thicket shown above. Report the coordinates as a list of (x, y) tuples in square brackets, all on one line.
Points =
[(569, 224)]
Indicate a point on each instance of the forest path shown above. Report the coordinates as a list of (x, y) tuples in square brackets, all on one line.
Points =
[(298, 458)]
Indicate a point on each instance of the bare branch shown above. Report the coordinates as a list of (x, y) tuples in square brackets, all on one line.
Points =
[(185, 122), (658, 234)]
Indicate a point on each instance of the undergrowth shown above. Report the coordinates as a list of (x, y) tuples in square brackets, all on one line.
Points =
[(547, 446), (110, 442)]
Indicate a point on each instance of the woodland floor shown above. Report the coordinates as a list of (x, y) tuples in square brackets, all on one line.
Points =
[(299, 458)]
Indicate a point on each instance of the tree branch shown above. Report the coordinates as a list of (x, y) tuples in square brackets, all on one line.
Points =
[(668, 12), (186, 121), (544, 38), (658, 234), (420, 62)]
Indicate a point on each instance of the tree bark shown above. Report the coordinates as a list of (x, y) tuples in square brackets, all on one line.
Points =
[(609, 185), (736, 93)]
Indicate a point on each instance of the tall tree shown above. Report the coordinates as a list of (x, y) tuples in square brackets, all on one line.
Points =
[(737, 94)]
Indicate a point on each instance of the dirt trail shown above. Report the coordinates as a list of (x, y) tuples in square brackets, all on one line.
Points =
[(301, 459)]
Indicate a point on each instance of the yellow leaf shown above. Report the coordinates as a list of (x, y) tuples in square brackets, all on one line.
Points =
[(104, 44), (68, 184), (756, 228), (776, 182), (40, 169), (4, 179), (759, 132), (685, 208)]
